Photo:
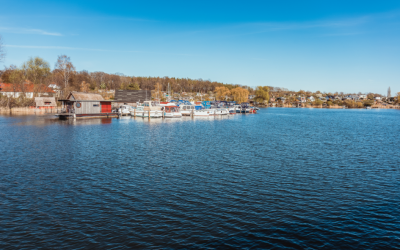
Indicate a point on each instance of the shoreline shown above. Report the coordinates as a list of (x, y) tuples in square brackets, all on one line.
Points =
[(335, 107)]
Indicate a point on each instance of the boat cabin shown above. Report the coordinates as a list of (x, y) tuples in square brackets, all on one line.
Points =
[(171, 109)]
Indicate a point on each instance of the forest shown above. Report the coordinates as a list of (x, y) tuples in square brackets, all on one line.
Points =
[(64, 75)]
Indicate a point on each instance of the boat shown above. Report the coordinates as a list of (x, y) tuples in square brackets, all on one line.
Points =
[(221, 111), (125, 109), (148, 107), (172, 112), (243, 108), (186, 109), (368, 107), (201, 112)]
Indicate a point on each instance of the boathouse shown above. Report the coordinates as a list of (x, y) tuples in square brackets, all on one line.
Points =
[(45, 102), (85, 105)]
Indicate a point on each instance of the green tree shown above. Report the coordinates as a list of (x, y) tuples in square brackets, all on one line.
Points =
[(318, 102), (368, 103), (36, 69), (262, 94), (133, 86)]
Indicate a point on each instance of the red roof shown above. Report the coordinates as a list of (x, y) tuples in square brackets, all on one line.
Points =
[(26, 87)]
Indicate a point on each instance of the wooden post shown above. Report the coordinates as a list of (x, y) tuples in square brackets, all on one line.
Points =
[(149, 115)]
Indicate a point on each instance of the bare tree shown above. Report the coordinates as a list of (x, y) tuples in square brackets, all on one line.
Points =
[(2, 53), (65, 67)]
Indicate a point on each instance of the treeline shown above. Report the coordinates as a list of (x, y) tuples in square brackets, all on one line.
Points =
[(64, 75)]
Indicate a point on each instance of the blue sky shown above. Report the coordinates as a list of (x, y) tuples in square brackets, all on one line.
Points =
[(348, 46)]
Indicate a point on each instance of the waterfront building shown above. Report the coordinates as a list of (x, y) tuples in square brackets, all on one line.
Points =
[(85, 105), (45, 102)]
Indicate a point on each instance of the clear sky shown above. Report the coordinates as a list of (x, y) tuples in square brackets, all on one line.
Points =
[(348, 46)]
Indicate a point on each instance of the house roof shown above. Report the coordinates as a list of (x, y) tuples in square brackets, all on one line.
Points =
[(40, 101), (25, 87), (81, 96)]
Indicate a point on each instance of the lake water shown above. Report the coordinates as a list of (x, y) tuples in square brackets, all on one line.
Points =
[(282, 178)]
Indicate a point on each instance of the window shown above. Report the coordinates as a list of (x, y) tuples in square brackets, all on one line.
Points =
[(47, 103), (96, 105)]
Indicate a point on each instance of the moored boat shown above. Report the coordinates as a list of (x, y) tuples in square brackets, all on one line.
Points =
[(125, 109), (172, 112), (148, 108)]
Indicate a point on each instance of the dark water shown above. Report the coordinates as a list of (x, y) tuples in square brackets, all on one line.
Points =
[(284, 179)]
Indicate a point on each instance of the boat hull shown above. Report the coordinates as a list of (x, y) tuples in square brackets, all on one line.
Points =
[(172, 115)]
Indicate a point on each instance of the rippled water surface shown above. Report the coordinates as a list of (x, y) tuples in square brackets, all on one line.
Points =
[(283, 178)]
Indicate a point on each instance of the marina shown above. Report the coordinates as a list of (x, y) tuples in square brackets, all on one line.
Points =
[(87, 105)]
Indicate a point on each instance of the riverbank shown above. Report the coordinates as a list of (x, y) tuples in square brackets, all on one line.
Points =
[(28, 111), (388, 106)]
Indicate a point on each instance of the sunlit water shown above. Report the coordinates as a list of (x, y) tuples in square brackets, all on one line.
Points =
[(282, 178)]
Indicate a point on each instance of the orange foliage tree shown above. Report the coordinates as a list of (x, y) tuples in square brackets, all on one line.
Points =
[(221, 93), (240, 95)]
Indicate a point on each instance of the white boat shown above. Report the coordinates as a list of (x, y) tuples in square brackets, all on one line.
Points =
[(187, 109), (221, 111), (148, 108), (172, 112), (125, 109), (201, 112)]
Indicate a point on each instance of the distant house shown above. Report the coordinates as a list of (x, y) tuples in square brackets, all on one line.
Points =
[(272, 99), (362, 97), (330, 97), (56, 89), (311, 99), (251, 97), (378, 99), (281, 99), (45, 102), (301, 99), (318, 95), (28, 89)]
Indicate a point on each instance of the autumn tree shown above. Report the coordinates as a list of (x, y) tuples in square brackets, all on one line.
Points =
[(65, 68), (221, 93), (262, 94), (157, 93), (84, 87), (240, 95), (36, 69)]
